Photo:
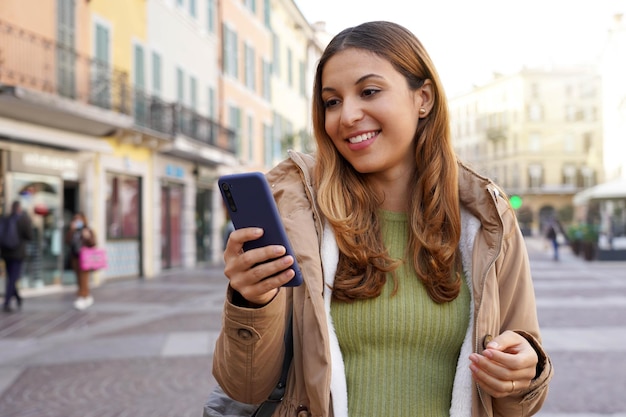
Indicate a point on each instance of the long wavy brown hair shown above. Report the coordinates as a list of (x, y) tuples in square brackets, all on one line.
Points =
[(351, 206)]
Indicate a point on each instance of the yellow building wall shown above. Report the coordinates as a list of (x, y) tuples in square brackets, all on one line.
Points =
[(128, 23)]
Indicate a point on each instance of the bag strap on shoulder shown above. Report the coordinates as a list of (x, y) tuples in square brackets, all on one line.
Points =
[(267, 408)]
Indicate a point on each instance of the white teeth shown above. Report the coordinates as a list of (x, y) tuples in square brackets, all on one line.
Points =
[(361, 138)]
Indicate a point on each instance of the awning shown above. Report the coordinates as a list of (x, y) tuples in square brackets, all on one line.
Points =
[(15, 129), (605, 191)]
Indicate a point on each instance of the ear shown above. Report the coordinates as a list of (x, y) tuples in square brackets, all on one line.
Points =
[(425, 98)]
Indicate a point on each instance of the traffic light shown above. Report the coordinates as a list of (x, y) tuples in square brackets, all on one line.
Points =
[(516, 201)]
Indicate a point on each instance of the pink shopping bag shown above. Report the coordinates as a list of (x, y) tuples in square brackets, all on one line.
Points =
[(92, 259)]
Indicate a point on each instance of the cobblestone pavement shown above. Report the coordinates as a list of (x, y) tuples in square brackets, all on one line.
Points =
[(144, 348)]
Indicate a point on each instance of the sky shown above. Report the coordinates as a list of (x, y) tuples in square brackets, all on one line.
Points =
[(469, 40)]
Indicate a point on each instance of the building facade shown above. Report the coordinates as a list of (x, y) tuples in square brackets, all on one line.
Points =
[(129, 110), (537, 133)]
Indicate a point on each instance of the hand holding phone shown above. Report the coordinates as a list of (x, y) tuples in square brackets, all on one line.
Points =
[(250, 203)]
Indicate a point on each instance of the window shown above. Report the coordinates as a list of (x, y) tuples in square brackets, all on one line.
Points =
[(587, 142), (180, 86), (230, 52), (156, 74), (100, 82), (569, 175), (249, 61), (193, 92), (573, 113), (123, 206), (302, 79), (139, 68), (180, 2), (535, 174), (192, 8), (276, 55), (267, 86), (250, 138), (234, 122), (267, 14), (535, 113), (65, 59), (211, 103), (210, 18), (534, 142), (588, 177), (251, 5), (289, 67), (140, 85)]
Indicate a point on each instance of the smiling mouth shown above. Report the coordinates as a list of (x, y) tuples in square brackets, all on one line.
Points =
[(363, 137)]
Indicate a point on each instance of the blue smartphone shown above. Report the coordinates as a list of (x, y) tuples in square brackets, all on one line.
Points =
[(250, 203)]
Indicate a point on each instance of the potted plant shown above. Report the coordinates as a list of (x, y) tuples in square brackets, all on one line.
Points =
[(574, 237), (589, 241)]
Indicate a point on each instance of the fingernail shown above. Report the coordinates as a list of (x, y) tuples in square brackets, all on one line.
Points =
[(493, 345)]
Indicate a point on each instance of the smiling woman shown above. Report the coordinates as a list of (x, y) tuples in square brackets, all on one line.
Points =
[(394, 237)]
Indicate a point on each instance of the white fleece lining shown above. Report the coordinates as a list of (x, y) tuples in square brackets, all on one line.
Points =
[(338, 386), (463, 384)]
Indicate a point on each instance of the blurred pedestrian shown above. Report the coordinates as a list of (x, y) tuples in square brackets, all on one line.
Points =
[(552, 233), (79, 235), (14, 252)]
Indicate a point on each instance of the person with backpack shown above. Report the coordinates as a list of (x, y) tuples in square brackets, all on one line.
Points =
[(15, 230)]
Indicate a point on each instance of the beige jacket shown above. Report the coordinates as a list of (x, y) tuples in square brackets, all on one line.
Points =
[(249, 351)]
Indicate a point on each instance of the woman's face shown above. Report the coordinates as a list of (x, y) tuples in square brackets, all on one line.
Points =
[(371, 115)]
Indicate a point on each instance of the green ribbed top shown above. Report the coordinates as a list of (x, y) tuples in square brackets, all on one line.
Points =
[(400, 352)]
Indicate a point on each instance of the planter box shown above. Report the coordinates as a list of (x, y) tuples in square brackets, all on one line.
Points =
[(611, 255)]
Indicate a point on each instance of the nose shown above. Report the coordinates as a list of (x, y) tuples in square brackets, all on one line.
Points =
[(351, 112)]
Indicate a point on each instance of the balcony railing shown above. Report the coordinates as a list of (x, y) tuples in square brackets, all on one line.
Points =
[(32, 61), (171, 119)]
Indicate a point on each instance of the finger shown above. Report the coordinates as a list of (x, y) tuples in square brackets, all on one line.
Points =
[(498, 388), (513, 351), (264, 291), (234, 244)]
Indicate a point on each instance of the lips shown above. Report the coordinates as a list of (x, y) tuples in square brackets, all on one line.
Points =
[(362, 137)]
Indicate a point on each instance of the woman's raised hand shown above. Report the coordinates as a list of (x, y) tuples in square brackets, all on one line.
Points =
[(256, 274)]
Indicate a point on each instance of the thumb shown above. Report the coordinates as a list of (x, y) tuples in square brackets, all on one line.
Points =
[(506, 342)]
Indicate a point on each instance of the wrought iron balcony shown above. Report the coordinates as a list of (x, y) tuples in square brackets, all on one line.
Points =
[(41, 65), (31, 61)]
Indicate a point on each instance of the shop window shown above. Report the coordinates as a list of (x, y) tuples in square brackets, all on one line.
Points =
[(123, 206)]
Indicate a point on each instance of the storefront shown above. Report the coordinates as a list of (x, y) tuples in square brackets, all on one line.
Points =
[(46, 183), (206, 178), (176, 213)]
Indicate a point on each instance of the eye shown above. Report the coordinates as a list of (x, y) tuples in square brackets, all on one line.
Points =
[(368, 92), (331, 103)]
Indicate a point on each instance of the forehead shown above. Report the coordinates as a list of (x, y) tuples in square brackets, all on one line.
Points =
[(354, 63)]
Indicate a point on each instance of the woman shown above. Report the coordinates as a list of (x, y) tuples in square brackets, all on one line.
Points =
[(417, 295), (14, 256), (79, 235)]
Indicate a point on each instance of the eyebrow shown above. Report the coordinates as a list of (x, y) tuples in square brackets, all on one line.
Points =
[(360, 80)]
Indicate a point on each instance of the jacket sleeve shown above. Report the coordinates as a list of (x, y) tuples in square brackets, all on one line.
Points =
[(518, 312), (249, 350)]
